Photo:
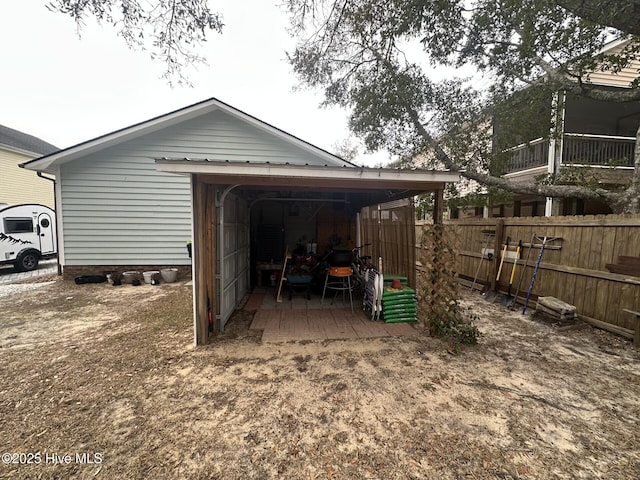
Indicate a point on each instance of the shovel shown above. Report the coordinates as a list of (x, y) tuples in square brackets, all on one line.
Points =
[(524, 268), (491, 296), (488, 233), (508, 299)]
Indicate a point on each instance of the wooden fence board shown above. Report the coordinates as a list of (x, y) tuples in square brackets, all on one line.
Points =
[(600, 308), (594, 254), (606, 302), (583, 285), (569, 257), (633, 245), (627, 297), (576, 273), (607, 247), (553, 256)]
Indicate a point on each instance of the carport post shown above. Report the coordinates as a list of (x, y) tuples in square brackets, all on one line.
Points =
[(200, 320), (438, 206)]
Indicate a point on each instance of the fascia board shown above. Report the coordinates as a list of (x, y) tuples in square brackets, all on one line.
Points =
[(299, 171)]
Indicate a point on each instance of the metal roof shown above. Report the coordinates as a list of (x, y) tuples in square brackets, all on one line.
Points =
[(327, 176)]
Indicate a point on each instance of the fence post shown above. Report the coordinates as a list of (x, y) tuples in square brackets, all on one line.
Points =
[(438, 206)]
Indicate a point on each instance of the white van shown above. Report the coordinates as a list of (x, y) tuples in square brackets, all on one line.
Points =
[(27, 234)]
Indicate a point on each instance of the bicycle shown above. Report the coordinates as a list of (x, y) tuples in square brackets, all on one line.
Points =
[(359, 267)]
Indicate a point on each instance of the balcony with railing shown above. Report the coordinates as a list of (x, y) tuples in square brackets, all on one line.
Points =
[(577, 150), (528, 156)]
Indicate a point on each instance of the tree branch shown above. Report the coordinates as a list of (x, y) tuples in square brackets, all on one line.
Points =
[(588, 90), (557, 191), (621, 14)]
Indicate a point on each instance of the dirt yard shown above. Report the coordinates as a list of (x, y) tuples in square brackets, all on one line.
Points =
[(109, 377)]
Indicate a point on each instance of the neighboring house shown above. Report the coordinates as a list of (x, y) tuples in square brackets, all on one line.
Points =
[(247, 190), (596, 141), (19, 186)]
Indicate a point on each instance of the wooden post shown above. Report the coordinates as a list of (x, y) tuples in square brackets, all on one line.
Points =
[(517, 205), (497, 250), (210, 254), (411, 241), (438, 206), (201, 325)]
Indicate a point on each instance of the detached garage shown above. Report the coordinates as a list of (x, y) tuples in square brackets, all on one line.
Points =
[(238, 188)]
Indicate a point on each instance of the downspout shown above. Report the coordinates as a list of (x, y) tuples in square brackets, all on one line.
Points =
[(55, 208)]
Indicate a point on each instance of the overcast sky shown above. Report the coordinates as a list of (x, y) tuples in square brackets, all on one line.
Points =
[(65, 89)]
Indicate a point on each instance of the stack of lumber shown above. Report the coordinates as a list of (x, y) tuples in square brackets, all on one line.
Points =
[(555, 308), (399, 305), (625, 266)]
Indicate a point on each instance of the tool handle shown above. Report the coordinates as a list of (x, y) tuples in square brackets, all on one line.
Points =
[(515, 262), (504, 252), (533, 279)]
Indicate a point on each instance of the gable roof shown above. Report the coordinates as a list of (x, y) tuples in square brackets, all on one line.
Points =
[(24, 143), (175, 117)]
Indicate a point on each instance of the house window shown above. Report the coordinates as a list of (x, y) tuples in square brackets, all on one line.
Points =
[(18, 225)]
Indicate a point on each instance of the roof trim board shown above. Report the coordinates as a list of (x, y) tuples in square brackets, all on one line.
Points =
[(615, 43), (267, 174), (21, 151)]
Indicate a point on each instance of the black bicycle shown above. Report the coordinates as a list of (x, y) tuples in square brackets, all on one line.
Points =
[(359, 267)]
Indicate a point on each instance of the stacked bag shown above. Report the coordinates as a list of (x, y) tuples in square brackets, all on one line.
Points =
[(398, 301)]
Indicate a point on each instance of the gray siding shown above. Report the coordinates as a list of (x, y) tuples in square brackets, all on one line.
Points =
[(118, 210), (130, 216), (219, 136)]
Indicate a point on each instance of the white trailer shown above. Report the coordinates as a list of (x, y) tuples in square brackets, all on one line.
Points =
[(27, 234)]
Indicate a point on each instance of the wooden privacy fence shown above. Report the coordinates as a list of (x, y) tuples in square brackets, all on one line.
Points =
[(576, 273), (389, 228)]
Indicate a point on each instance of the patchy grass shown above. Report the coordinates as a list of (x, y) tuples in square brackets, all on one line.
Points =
[(118, 375)]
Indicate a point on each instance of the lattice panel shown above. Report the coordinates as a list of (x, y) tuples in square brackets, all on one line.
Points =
[(437, 287)]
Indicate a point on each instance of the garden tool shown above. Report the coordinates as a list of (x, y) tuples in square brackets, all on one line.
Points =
[(491, 296), (524, 267), (482, 258), (508, 299), (545, 241)]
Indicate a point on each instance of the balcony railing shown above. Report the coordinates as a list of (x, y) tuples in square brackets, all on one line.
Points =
[(577, 149), (526, 156)]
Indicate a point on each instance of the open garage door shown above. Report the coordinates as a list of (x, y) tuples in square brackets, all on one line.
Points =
[(233, 261)]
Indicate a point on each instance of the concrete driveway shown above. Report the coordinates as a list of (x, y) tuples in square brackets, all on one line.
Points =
[(8, 275)]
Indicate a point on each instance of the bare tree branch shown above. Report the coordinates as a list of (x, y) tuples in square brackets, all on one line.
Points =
[(172, 30)]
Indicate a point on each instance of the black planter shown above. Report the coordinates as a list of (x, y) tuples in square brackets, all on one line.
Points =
[(340, 258)]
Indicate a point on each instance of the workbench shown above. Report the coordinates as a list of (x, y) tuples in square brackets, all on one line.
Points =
[(266, 266)]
